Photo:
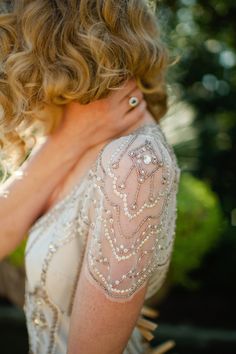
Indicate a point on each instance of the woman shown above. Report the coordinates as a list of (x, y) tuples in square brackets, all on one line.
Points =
[(98, 199)]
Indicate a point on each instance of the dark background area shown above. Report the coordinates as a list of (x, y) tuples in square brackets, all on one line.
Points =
[(202, 33)]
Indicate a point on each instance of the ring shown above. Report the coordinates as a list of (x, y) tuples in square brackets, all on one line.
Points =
[(133, 101)]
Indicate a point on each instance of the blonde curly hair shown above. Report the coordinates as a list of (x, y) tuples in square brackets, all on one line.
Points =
[(57, 51)]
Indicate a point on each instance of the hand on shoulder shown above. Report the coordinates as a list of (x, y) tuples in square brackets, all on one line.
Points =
[(98, 121)]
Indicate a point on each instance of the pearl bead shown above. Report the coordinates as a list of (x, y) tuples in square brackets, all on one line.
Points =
[(147, 159)]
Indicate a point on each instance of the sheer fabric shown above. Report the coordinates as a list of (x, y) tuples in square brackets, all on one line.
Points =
[(133, 206), (119, 220)]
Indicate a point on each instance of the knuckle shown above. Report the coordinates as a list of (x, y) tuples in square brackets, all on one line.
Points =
[(142, 104), (132, 84), (137, 92)]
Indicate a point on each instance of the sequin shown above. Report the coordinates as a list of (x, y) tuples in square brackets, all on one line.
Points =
[(152, 202), (130, 226)]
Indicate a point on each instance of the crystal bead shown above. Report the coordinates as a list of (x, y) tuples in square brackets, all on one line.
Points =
[(164, 179), (147, 159), (4, 194), (39, 320), (52, 248), (19, 174), (115, 165)]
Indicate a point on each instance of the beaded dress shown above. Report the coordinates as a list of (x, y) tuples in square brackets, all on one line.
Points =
[(123, 212)]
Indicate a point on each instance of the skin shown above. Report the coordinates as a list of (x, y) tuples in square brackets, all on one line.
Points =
[(97, 324), (82, 128)]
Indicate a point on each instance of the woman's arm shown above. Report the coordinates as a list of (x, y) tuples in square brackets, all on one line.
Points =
[(133, 197), (23, 198), (82, 126), (99, 325)]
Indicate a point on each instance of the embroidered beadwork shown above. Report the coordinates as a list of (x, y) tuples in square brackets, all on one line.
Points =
[(150, 260), (40, 297), (114, 179)]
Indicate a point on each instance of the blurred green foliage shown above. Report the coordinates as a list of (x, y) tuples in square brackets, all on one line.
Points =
[(17, 257), (200, 224), (202, 34)]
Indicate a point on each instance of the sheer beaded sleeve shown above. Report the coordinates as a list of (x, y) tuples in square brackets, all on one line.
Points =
[(133, 196)]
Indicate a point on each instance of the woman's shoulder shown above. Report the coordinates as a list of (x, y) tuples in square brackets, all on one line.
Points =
[(139, 158), (135, 197), (143, 147)]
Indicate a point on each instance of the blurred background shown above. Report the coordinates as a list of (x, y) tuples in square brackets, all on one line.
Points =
[(197, 302)]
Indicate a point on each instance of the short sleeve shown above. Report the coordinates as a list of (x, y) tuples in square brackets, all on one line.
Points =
[(133, 200)]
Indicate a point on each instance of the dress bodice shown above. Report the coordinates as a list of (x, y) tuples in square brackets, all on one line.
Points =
[(124, 209)]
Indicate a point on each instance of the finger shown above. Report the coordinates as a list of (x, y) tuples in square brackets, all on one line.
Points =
[(135, 114), (124, 106), (120, 92), (136, 93)]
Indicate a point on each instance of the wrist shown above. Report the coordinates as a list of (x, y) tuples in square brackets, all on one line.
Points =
[(69, 151)]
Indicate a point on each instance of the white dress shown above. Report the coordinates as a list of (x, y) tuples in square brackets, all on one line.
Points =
[(124, 209)]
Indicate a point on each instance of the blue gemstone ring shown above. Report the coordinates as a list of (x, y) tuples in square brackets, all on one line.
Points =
[(133, 101)]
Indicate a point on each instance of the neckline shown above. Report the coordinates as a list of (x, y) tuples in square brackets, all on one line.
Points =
[(77, 185)]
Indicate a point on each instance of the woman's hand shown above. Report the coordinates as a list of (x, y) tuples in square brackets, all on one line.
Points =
[(82, 127), (100, 120)]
